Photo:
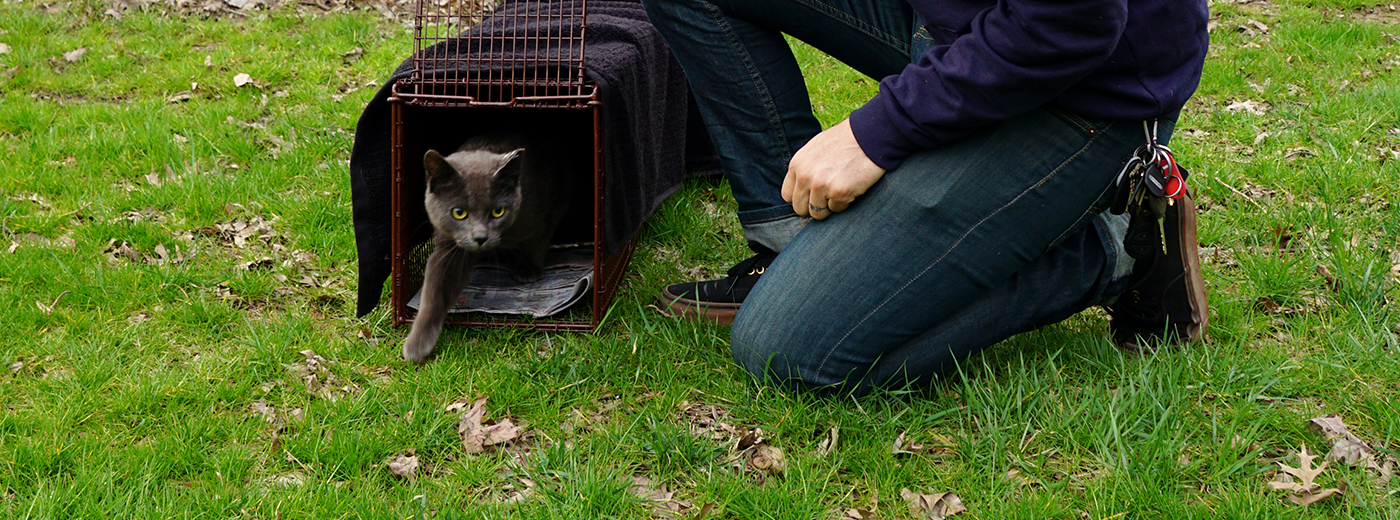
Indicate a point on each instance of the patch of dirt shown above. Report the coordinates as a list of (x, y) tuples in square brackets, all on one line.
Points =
[(315, 372), (708, 421), (262, 246), (1382, 14), (581, 419), (660, 497), (74, 98)]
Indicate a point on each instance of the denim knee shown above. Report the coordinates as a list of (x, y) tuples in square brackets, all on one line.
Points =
[(770, 350), (747, 347)]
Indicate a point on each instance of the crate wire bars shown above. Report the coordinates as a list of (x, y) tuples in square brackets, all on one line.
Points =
[(496, 63), (516, 53)]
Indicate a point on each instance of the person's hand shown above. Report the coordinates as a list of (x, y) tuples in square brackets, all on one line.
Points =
[(828, 173)]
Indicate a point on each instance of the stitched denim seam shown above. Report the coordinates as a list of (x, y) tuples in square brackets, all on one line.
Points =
[(858, 24), (1073, 119), (775, 121), (1092, 139)]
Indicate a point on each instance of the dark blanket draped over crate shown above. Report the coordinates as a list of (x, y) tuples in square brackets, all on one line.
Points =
[(651, 131)]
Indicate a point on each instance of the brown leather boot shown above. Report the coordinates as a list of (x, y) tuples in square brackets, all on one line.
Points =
[(1165, 302)]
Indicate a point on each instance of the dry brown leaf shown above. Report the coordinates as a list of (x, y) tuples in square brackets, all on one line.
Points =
[(1299, 151), (293, 479), (516, 496), (1332, 282), (456, 406), (1253, 107), (645, 488), (162, 255), (905, 448), (1304, 499), (707, 421), (932, 506), (1349, 448), (759, 456), (858, 514), (662, 500), (478, 433), (4, 48), (1016, 477), (16, 366), (1267, 305), (1305, 473), (499, 432), (320, 381), (264, 410), (828, 444), (352, 55), (1346, 446), (116, 252), (239, 80), (404, 465), (769, 459), (1305, 490), (261, 263), (75, 54)]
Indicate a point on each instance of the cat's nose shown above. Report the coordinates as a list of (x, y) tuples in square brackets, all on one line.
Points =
[(479, 240)]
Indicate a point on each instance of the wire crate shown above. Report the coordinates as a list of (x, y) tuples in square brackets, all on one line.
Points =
[(480, 65)]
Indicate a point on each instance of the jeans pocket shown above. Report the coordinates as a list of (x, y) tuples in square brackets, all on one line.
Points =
[(920, 43), (1088, 127)]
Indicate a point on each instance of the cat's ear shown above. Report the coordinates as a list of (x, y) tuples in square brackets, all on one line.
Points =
[(504, 164), (439, 173)]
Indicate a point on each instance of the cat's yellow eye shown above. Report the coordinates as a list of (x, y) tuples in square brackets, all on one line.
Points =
[(499, 212), (459, 213)]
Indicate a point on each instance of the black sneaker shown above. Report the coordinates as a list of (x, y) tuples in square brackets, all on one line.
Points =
[(717, 300), (1165, 302)]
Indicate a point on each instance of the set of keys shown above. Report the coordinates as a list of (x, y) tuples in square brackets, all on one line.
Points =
[(1150, 181)]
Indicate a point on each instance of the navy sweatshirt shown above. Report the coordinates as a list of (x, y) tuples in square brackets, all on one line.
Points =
[(998, 59)]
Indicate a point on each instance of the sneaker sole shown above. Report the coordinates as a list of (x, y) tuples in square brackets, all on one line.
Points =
[(1191, 258), (675, 306)]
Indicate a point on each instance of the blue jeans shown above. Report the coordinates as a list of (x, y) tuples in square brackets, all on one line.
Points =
[(959, 248)]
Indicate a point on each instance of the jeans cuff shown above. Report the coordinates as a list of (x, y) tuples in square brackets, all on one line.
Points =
[(774, 232)]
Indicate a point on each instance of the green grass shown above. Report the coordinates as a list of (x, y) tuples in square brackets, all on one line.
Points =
[(133, 396)]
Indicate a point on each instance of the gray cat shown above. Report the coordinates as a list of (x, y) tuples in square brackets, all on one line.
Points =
[(500, 193)]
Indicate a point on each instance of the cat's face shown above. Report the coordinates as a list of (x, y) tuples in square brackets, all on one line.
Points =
[(472, 196)]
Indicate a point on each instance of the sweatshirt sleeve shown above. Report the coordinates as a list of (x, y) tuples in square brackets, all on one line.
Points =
[(1018, 55)]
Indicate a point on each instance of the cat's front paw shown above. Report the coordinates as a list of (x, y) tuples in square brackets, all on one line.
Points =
[(416, 349)]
